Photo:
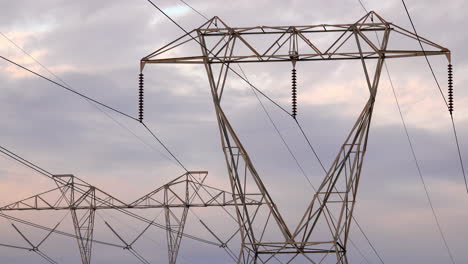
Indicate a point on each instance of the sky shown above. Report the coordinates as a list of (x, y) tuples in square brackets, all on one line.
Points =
[(96, 47)]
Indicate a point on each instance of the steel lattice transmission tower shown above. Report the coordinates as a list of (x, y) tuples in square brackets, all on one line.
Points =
[(218, 47), (175, 198)]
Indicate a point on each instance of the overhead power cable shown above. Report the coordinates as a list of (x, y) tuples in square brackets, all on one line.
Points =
[(363, 7), (142, 233), (451, 117), (16, 247), (37, 226), (455, 135), (164, 146), (413, 153), (95, 101), (90, 102), (196, 11), (89, 99), (425, 55), (454, 129), (69, 89), (98, 103), (410, 143), (224, 63), (103, 201), (442, 94)]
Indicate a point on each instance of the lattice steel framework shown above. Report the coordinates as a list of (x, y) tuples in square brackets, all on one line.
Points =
[(219, 46), (83, 200)]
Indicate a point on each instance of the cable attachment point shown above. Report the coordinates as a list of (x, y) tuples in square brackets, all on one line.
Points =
[(294, 57), (294, 93), (450, 89), (140, 97)]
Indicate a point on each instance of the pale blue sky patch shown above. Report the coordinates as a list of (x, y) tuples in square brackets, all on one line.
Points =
[(176, 11), (173, 11)]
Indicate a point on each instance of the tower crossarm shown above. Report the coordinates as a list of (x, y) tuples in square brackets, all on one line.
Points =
[(70, 193), (177, 189), (188, 191), (315, 43), (216, 46)]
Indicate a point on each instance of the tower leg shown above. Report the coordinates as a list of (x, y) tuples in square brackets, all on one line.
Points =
[(175, 228), (83, 219), (83, 222)]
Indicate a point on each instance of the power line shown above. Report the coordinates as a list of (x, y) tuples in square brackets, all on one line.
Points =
[(452, 120), (414, 153), (164, 146), (78, 189), (196, 11), (310, 146), (94, 101), (90, 102), (89, 99), (141, 233), (419, 168), (224, 63), (16, 247), (303, 171), (424, 52), (368, 240), (104, 201), (69, 89), (186, 170), (113, 109), (363, 7), (289, 149), (407, 133), (352, 216), (126, 246), (37, 226), (454, 129), (146, 127)]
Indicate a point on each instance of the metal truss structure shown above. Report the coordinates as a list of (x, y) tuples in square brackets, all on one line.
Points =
[(83, 200), (217, 46), (322, 233)]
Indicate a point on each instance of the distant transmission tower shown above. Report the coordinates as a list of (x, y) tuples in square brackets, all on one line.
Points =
[(267, 237), (83, 200)]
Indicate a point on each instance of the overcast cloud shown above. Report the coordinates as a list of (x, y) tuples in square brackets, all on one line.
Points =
[(95, 46)]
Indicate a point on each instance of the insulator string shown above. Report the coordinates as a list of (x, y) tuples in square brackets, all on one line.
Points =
[(294, 93), (450, 89), (140, 97)]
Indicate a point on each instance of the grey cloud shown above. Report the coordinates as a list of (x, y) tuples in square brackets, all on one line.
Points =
[(104, 41)]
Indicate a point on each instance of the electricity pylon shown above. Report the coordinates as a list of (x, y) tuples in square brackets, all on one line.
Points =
[(77, 196), (217, 46), (180, 194), (82, 199)]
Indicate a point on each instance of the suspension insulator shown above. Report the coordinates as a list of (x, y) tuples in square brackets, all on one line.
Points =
[(140, 97), (450, 89), (294, 93)]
